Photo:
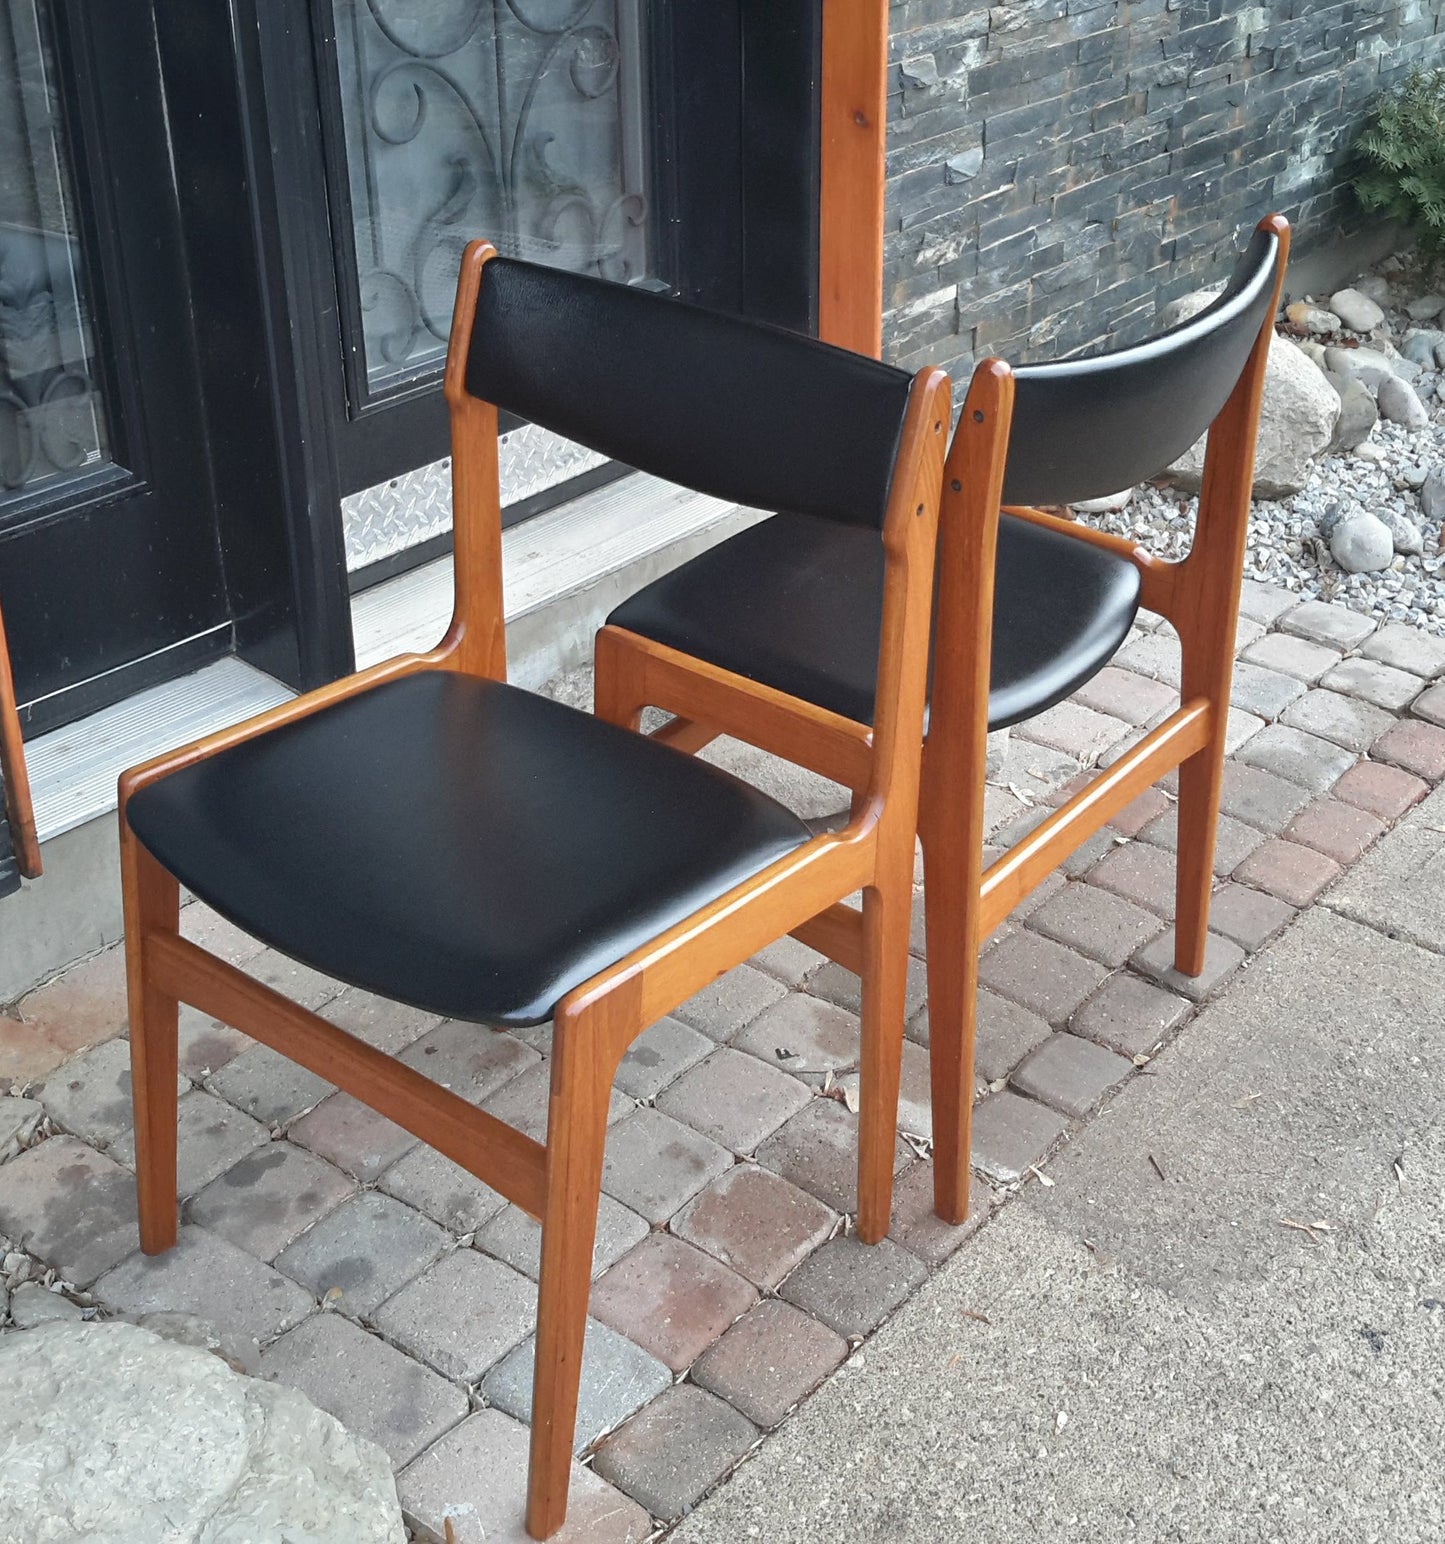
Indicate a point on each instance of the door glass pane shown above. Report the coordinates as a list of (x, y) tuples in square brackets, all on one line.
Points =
[(52, 421), (519, 120)]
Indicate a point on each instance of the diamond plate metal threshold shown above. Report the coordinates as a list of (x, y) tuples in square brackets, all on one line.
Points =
[(564, 571)]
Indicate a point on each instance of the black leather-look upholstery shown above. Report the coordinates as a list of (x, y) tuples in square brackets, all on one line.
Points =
[(459, 844), (797, 604), (749, 413), (1084, 428)]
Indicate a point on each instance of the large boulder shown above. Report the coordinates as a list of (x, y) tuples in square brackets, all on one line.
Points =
[(1296, 421), (111, 1433)]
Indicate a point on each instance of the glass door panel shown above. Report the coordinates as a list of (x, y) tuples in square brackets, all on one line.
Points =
[(52, 417), (524, 122)]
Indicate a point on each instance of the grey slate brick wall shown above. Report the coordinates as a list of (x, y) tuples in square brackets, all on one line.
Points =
[(1057, 169)]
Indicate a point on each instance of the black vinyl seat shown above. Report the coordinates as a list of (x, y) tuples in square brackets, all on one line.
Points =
[(795, 603), (493, 878)]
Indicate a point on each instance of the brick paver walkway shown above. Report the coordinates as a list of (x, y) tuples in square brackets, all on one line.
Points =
[(400, 1294)]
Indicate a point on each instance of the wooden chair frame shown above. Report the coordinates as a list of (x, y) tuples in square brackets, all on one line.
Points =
[(1198, 594), (559, 1181), (19, 810)]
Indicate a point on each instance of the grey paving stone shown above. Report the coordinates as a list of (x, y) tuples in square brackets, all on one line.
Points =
[(270, 1197), (1105, 927), (818, 1151), (660, 1056), (291, 979), (1294, 873), (268, 1087), (1249, 917), (477, 1475), (211, 1136), (1040, 975), (1263, 691), (472, 1061), (32, 1304), (1299, 757), (516, 1238), (920, 1229), (676, 1449), (461, 1316), (1155, 655), (1141, 873), (1072, 1074), (1407, 648), (804, 1034), (1129, 1015), (1260, 798), (618, 1378), (523, 1101), (389, 1026), (206, 1276), (771, 1358), (352, 1136), (1344, 721), (213, 932), (755, 1222), (366, 1249), (1322, 622), (842, 987), (205, 1044), (1265, 602), (1004, 1033), (1076, 865), (1372, 681), (1222, 956), (19, 1121), (732, 1001), (1233, 840), (789, 960), (368, 1385), (1010, 1133), (1340, 830), (442, 1190), (1293, 656), (654, 1163), (735, 1099), (1415, 746), (90, 1095), (852, 1286), (1430, 706), (70, 1206)]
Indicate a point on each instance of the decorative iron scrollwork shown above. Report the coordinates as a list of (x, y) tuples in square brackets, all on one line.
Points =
[(520, 120)]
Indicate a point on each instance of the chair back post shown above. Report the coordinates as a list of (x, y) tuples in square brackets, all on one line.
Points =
[(476, 641), (910, 538), (1207, 584), (16, 784), (967, 544)]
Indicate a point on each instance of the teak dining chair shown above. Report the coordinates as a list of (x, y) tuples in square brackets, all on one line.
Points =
[(1030, 607), (15, 804), (427, 832)]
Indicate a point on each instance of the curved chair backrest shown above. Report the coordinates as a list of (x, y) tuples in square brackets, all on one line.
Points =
[(1084, 428), (743, 411)]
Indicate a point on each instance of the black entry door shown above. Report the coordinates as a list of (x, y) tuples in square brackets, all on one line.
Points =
[(671, 146), (109, 562)]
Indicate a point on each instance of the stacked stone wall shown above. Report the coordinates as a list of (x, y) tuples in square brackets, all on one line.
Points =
[(1057, 169)]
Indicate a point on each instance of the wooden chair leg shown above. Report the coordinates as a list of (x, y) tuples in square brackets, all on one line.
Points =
[(1201, 779), (617, 693), (885, 987), (151, 899), (950, 890), (576, 1135)]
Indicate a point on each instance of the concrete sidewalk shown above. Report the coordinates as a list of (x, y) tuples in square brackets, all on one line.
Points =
[(1161, 1353)]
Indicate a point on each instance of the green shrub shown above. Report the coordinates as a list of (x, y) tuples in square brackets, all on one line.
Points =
[(1401, 152)]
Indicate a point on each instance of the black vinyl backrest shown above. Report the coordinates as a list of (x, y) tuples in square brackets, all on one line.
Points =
[(1084, 428), (732, 408)]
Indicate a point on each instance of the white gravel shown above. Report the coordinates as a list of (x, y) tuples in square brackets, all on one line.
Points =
[(1288, 538)]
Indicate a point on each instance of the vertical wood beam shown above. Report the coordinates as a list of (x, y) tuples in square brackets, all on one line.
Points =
[(850, 218)]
